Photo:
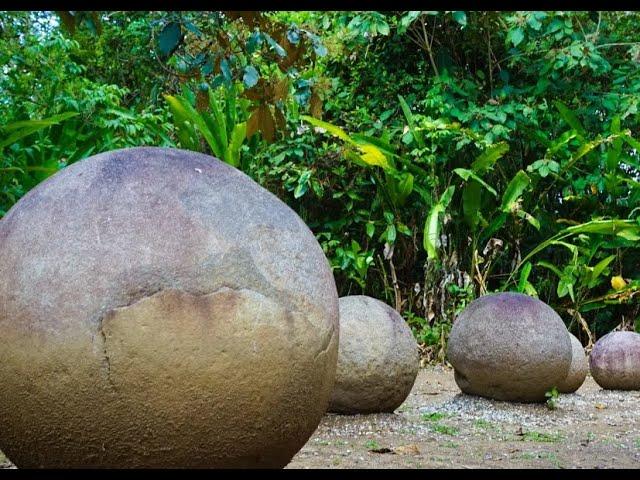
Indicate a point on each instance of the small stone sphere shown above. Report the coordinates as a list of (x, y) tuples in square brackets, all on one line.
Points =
[(615, 361), (378, 358), (158, 308), (509, 346), (578, 370)]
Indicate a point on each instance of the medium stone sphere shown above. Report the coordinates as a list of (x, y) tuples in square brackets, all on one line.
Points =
[(160, 309), (578, 369), (378, 358), (615, 361), (509, 346)]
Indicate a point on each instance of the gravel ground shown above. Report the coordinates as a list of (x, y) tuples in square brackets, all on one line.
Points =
[(439, 427)]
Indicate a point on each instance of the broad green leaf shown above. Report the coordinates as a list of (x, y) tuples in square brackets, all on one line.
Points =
[(570, 117), (550, 266), (609, 227), (225, 69), (383, 28), (561, 141), (399, 186), (254, 41), (211, 132), (466, 174), (300, 190), (633, 143), (565, 286), (12, 169), (524, 276), (410, 120), (430, 239), (529, 218), (275, 45), (486, 159), (201, 125), (372, 155), (629, 234), (447, 195), (583, 150), (386, 147), (389, 235), (24, 128), (615, 124), (515, 36), (407, 20), (169, 38), (233, 150), (250, 77), (405, 186), (44, 122), (460, 17), (355, 158), (231, 115), (598, 269), (185, 130), (530, 290), (371, 228), (570, 246), (332, 129), (219, 127), (516, 186), (605, 227), (471, 197)]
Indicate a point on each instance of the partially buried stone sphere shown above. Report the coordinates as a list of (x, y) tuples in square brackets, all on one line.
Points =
[(160, 309), (615, 361), (578, 370), (378, 358), (509, 346)]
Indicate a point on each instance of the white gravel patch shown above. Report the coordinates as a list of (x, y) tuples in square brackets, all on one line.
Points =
[(593, 405)]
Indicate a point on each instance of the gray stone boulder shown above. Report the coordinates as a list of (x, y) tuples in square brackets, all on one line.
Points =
[(509, 346), (158, 308), (615, 361), (578, 369), (378, 358)]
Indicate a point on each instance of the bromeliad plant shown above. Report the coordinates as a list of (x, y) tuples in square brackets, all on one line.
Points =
[(219, 121)]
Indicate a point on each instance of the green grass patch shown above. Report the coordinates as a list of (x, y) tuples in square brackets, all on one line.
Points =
[(484, 424), (445, 429), (534, 436), (433, 416), (372, 445)]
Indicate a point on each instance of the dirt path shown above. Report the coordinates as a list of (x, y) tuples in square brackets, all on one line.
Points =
[(438, 427)]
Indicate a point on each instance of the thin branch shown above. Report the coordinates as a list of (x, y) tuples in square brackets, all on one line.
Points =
[(595, 35), (428, 45), (619, 44), (490, 66)]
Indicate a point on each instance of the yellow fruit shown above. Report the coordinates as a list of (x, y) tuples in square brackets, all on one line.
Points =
[(618, 282)]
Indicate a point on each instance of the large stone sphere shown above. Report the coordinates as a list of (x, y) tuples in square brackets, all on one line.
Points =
[(578, 369), (615, 361), (509, 346), (160, 309), (378, 358)]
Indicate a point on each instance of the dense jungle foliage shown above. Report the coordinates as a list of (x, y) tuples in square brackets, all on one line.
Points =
[(436, 155)]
